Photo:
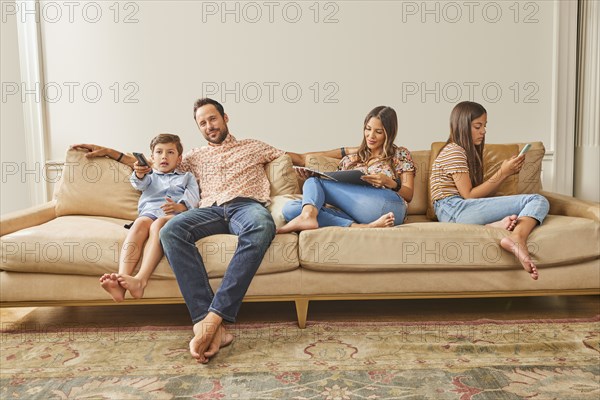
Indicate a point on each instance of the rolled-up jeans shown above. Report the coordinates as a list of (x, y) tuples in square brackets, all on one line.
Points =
[(247, 219), (490, 209), (354, 203)]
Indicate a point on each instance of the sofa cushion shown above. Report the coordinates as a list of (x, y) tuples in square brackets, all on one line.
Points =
[(528, 180), (95, 186), (444, 245), (282, 176), (87, 245)]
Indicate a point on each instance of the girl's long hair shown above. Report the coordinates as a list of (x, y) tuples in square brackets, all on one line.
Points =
[(389, 120), (461, 118)]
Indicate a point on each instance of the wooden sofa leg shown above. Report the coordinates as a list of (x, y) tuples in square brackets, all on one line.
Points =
[(301, 312)]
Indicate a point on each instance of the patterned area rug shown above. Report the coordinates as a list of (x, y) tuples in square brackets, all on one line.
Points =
[(483, 359)]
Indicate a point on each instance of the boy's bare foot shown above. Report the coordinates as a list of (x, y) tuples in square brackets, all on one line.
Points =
[(134, 285), (384, 221), (522, 255), (110, 283), (507, 223), (204, 334), (302, 222), (222, 339)]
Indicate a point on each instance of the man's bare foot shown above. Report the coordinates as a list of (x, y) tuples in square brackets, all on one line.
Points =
[(222, 339), (205, 332), (507, 223), (302, 222), (134, 285), (384, 221), (522, 255), (110, 283)]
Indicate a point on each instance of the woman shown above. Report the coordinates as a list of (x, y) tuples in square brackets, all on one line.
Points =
[(459, 193), (389, 172)]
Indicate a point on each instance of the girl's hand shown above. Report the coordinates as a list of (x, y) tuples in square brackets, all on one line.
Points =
[(379, 180), (170, 207), (512, 165)]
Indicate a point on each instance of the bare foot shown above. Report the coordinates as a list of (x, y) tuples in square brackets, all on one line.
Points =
[(134, 285), (522, 255), (222, 339), (110, 283), (384, 221), (302, 222), (507, 223), (205, 332)]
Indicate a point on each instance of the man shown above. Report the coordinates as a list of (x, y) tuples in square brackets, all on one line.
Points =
[(234, 194)]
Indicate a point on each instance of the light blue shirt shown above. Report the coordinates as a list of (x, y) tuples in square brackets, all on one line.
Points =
[(179, 186)]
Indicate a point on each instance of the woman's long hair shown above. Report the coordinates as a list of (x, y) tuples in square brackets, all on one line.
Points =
[(389, 120), (461, 118)]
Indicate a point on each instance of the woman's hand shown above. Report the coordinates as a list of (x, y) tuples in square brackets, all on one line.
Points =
[(303, 173), (379, 180), (170, 207), (512, 165)]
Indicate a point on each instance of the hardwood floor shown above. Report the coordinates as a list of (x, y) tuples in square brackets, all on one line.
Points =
[(521, 308)]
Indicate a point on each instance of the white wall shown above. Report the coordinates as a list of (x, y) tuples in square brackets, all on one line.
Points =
[(119, 73), (14, 192), (371, 53)]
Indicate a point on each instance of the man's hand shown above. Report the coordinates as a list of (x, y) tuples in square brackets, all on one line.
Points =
[(93, 150), (170, 207)]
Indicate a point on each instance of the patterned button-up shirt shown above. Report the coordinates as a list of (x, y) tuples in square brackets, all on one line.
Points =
[(234, 168)]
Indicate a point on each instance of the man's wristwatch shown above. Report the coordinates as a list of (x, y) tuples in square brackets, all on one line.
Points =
[(398, 184)]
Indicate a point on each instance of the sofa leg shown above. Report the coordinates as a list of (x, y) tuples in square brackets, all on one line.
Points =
[(301, 312)]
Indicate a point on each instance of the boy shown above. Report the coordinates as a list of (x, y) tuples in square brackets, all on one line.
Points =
[(165, 193)]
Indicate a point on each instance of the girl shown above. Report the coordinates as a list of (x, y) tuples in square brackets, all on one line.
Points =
[(389, 172), (459, 193)]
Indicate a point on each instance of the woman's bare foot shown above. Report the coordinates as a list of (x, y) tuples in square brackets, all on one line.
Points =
[(110, 283), (384, 221), (302, 222), (134, 285), (507, 223), (522, 255)]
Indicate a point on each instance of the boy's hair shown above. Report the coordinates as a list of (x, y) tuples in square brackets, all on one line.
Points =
[(167, 138), (202, 102)]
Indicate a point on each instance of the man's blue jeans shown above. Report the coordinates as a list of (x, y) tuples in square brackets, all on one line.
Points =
[(356, 203), (247, 219), (491, 209)]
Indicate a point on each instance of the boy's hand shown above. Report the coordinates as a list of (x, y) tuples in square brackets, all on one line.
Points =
[(140, 170), (170, 207)]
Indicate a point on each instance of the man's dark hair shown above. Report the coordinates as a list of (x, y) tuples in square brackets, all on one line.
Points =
[(202, 102)]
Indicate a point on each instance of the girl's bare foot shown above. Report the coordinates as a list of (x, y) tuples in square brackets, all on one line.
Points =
[(522, 255), (507, 223), (134, 285), (302, 222), (110, 283), (384, 221)]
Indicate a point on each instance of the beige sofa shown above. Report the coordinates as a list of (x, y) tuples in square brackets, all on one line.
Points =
[(53, 254)]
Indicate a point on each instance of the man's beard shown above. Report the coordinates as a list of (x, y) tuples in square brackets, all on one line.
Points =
[(219, 138)]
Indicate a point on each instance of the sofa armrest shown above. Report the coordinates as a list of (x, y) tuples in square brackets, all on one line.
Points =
[(29, 217), (561, 204)]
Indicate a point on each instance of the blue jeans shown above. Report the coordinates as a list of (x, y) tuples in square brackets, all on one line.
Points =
[(356, 203), (491, 209), (247, 219)]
